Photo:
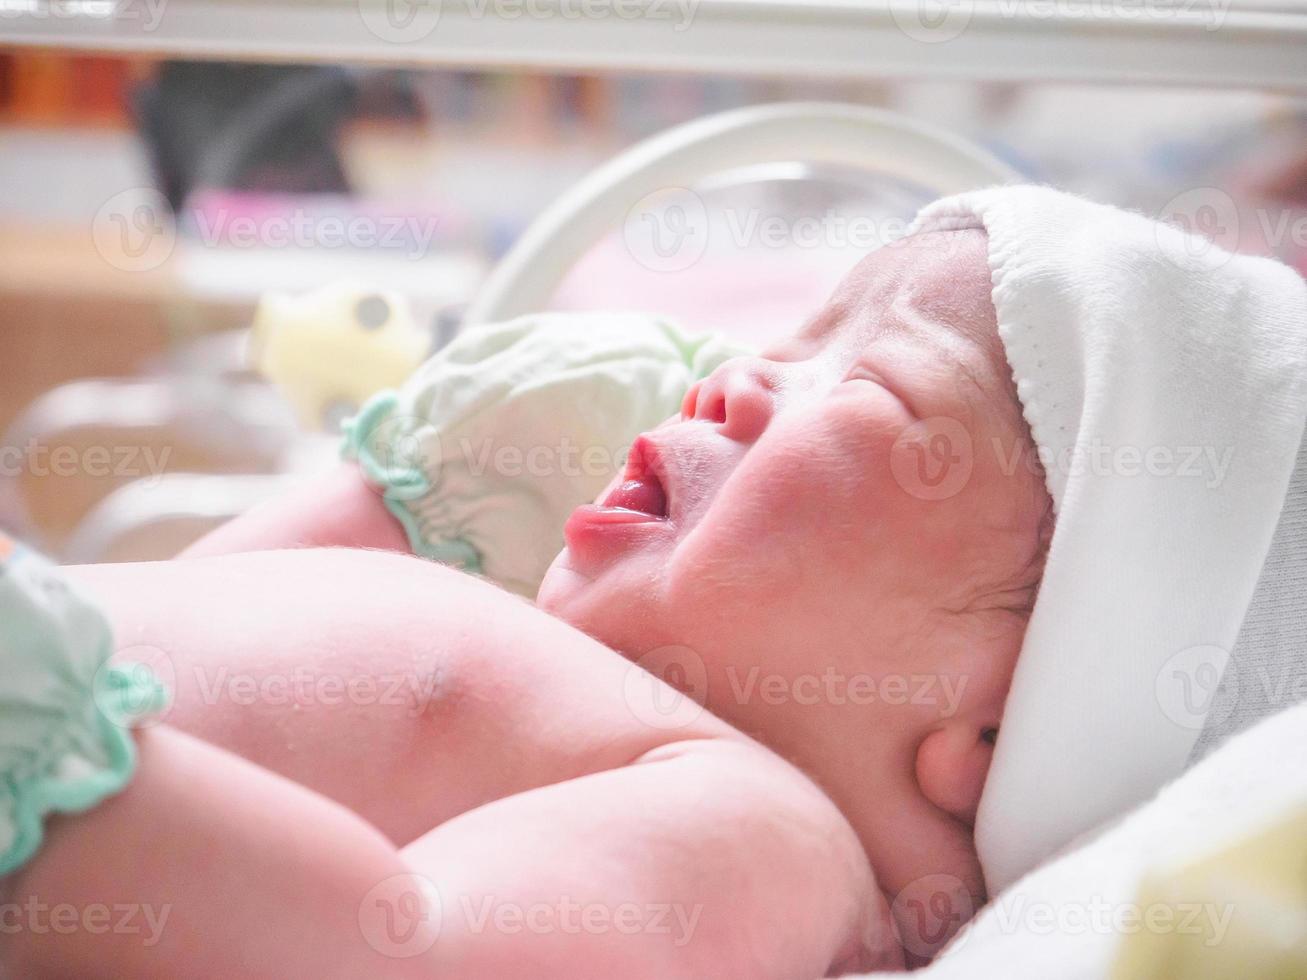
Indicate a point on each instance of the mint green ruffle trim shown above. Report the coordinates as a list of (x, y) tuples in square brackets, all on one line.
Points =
[(400, 485), (60, 780)]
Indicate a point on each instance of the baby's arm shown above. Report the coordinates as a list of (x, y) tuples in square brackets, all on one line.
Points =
[(701, 859), (552, 400), (522, 743), (337, 509), (708, 858), (204, 866)]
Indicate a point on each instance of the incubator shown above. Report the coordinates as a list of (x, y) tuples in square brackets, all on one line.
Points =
[(226, 226)]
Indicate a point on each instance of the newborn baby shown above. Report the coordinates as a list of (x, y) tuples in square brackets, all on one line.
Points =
[(773, 537), (743, 732)]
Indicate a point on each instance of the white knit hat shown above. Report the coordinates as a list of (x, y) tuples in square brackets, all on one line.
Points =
[(1165, 385)]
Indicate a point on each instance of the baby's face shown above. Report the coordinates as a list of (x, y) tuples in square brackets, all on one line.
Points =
[(835, 545)]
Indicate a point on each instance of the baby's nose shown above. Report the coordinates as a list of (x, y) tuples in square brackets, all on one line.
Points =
[(739, 397)]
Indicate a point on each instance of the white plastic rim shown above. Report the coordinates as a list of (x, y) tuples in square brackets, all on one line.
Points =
[(828, 133)]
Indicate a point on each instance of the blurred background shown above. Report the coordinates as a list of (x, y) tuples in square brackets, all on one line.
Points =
[(153, 211)]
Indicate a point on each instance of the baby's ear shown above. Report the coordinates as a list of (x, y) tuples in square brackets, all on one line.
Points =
[(952, 762)]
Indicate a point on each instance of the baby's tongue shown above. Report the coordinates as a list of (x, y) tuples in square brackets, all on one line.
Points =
[(645, 496)]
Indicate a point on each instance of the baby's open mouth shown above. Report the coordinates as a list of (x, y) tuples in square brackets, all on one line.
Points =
[(639, 505), (640, 496), (641, 492)]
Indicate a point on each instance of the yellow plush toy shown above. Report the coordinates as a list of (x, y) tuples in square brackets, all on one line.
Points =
[(1258, 888), (331, 349)]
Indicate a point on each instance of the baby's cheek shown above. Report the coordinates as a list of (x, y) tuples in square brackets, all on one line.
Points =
[(850, 483), (828, 504), (933, 460), (875, 520), (811, 504)]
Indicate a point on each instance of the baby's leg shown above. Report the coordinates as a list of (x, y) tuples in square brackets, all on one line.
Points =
[(204, 866)]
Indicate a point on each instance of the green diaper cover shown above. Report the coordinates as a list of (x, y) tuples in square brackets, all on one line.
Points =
[(64, 714)]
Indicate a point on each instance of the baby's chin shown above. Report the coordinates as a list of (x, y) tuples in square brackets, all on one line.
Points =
[(560, 586), (571, 594), (608, 604)]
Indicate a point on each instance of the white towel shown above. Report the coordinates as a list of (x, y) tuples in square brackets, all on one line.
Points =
[(1165, 384)]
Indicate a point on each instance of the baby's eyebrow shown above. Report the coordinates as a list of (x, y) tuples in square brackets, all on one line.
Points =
[(953, 345), (993, 395), (966, 369)]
